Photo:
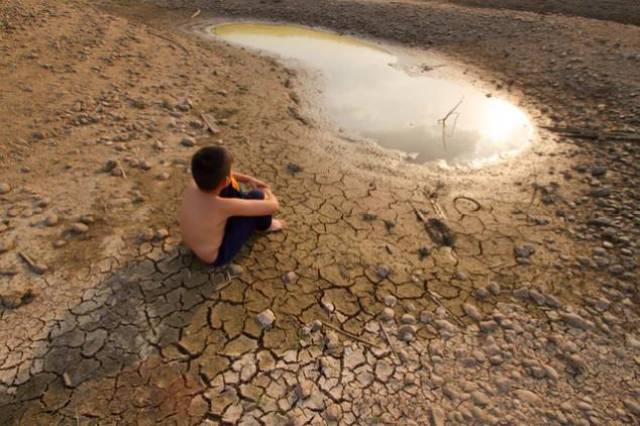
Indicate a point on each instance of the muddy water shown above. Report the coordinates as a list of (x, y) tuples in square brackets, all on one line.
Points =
[(368, 92)]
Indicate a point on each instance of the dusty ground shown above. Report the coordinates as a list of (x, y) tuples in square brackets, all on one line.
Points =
[(530, 316)]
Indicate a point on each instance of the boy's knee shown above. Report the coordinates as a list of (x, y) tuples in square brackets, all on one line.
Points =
[(255, 194)]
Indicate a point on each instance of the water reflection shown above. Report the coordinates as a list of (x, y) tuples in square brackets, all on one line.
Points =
[(366, 93)]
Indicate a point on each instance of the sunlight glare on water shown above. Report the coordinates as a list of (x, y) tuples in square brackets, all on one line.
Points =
[(367, 94)]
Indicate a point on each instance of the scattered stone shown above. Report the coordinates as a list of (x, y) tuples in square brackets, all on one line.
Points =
[(328, 306), (524, 251), (51, 219), (408, 319), (598, 171), (59, 243), (78, 228), (423, 252), (576, 320), (527, 396), (146, 235), (110, 165), (294, 168), (390, 300), (426, 317), (266, 318), (406, 333), (387, 314), (577, 363), (494, 288), (472, 311), (188, 142), (5, 188), (369, 217), (316, 325), (161, 234), (383, 271), (290, 277), (235, 269), (14, 300)]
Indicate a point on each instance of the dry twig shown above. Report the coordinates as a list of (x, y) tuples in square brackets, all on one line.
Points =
[(386, 337), (350, 335), (443, 122)]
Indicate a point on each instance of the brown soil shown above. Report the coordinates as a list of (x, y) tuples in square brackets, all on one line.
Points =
[(106, 319)]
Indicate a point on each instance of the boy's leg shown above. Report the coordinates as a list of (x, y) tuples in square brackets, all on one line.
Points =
[(236, 233), (239, 229), (263, 222)]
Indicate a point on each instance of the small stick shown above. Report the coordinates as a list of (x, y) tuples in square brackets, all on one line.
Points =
[(196, 14), (439, 303), (210, 126), (171, 42), (436, 208), (386, 336), (119, 165), (353, 336), (35, 267), (443, 122)]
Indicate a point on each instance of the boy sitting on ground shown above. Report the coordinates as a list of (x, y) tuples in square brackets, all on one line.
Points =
[(217, 218)]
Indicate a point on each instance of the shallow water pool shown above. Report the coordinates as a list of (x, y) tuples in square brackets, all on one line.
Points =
[(366, 92)]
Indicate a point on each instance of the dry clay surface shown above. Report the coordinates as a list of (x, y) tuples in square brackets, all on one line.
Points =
[(399, 294)]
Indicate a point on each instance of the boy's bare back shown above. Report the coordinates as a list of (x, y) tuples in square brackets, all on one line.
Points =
[(203, 217)]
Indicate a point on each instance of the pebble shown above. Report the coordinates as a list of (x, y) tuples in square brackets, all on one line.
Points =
[(294, 168), (480, 398), (383, 271), (408, 319), (472, 311), (188, 141), (79, 228), (597, 171), (59, 243), (161, 234), (390, 300), (576, 321), (576, 362), (527, 396), (5, 188), (407, 332), (494, 288), (146, 235), (266, 318), (426, 317), (290, 277), (316, 325), (51, 219), (387, 314), (235, 269), (488, 326), (87, 219)]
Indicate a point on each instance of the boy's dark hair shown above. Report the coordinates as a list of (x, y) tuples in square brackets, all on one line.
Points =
[(209, 166)]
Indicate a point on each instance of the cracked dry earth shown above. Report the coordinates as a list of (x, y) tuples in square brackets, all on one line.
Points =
[(526, 313)]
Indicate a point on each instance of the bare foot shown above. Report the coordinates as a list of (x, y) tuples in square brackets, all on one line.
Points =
[(276, 225)]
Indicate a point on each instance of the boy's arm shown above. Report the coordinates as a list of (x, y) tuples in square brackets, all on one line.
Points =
[(241, 207), (240, 177)]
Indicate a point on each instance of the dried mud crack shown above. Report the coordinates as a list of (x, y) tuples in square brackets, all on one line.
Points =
[(400, 294)]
